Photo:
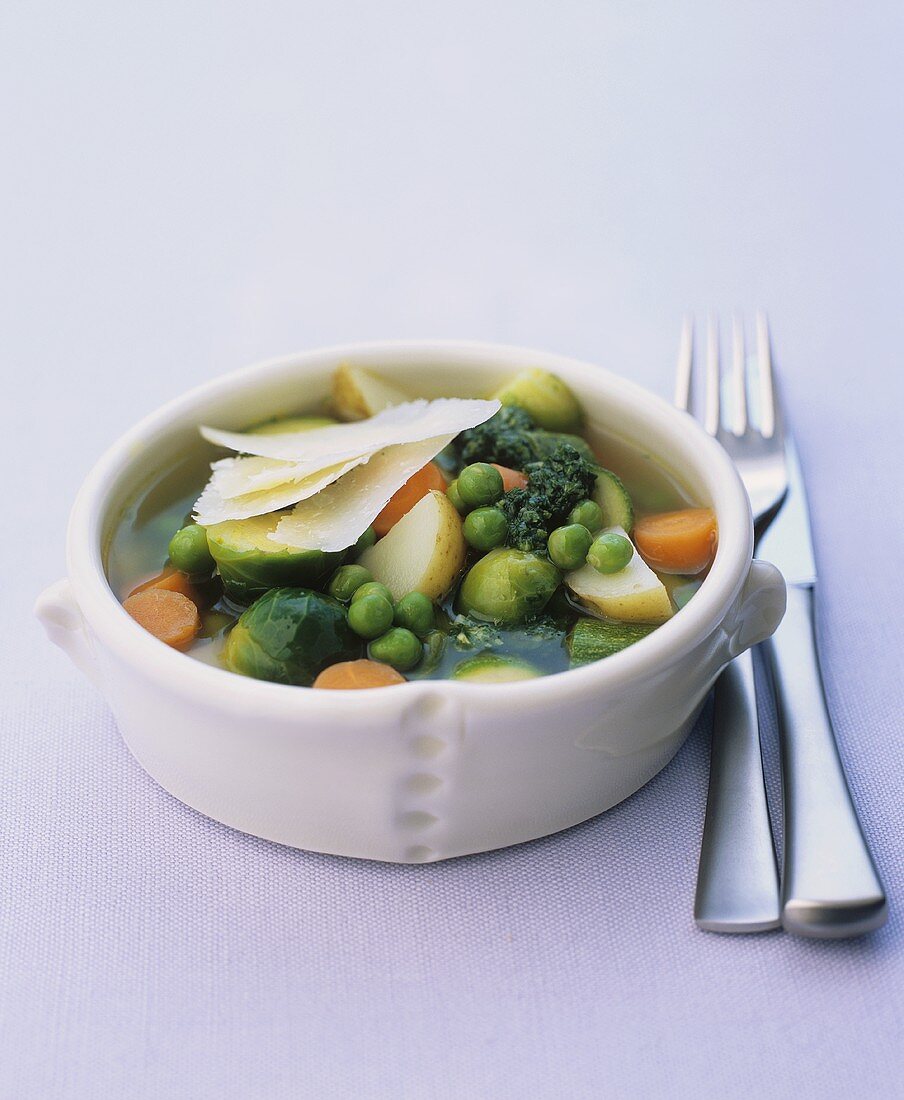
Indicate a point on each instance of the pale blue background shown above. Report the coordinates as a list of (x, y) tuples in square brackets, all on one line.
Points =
[(189, 187)]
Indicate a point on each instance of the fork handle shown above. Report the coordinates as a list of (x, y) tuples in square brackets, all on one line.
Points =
[(830, 887), (737, 879)]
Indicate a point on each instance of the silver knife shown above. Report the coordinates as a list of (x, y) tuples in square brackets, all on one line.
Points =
[(830, 886)]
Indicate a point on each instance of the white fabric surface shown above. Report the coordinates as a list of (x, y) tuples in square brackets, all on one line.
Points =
[(192, 187)]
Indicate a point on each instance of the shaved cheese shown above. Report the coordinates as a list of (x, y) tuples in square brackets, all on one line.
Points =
[(277, 471), (321, 447), (213, 507), (236, 478), (336, 516)]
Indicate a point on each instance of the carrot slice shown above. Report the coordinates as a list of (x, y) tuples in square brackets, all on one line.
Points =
[(404, 499), (168, 615), (511, 479), (677, 542), (170, 580), (353, 675)]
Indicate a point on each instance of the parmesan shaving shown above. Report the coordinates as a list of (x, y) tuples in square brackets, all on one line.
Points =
[(213, 507), (236, 478), (336, 516), (320, 447), (278, 470)]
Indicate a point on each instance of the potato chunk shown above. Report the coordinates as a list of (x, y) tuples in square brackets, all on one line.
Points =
[(424, 551), (633, 595), (358, 394)]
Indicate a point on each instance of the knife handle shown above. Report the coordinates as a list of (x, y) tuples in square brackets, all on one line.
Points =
[(830, 887)]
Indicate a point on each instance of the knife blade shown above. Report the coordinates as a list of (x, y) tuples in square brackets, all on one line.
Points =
[(788, 542), (830, 886)]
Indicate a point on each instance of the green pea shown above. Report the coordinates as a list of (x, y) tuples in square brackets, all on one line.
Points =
[(371, 587), (189, 552), (485, 528), (588, 514), (397, 647), (567, 546), (365, 541), (610, 552), (346, 581), (480, 484), (455, 496), (370, 616), (415, 612)]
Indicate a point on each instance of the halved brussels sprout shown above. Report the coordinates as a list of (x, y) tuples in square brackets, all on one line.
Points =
[(250, 563), (289, 636), (508, 586), (546, 397)]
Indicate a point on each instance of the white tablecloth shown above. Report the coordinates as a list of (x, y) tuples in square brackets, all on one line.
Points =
[(191, 187)]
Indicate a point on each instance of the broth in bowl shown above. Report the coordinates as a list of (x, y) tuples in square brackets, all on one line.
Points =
[(387, 538)]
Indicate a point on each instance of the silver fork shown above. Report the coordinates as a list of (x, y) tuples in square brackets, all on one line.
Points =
[(737, 879)]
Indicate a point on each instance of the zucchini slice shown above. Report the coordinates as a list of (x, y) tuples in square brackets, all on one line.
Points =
[(612, 496), (594, 639), (492, 668)]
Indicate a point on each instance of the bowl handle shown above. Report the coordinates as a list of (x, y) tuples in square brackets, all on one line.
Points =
[(62, 620), (760, 609)]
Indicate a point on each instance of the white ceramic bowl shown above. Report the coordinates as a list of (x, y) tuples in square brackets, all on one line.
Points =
[(431, 769)]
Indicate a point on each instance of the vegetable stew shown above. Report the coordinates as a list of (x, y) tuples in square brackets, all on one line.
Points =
[(396, 539)]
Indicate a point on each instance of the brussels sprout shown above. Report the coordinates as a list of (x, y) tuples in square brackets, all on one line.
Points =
[(508, 586), (289, 636), (250, 563), (549, 401)]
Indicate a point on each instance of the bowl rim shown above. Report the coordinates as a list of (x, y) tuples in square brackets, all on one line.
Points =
[(179, 674)]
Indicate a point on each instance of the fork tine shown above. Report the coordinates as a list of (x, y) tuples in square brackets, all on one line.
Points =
[(685, 365), (764, 374), (738, 379), (711, 409)]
